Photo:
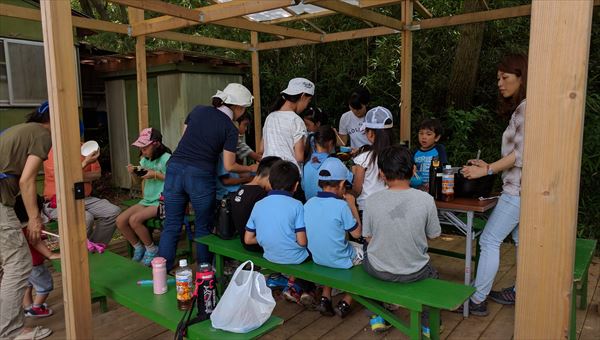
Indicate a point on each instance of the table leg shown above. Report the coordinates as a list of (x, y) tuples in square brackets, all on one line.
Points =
[(468, 257)]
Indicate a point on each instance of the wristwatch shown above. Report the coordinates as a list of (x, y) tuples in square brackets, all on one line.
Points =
[(489, 170)]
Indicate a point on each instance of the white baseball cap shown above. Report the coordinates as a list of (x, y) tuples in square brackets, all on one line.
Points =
[(235, 94), (298, 86), (378, 118)]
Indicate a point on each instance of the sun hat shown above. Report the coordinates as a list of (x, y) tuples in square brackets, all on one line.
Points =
[(378, 118), (332, 169), (299, 85), (147, 137), (235, 94)]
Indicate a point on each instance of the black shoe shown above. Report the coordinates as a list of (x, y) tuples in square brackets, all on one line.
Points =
[(325, 307), (342, 309), (477, 309), (506, 296)]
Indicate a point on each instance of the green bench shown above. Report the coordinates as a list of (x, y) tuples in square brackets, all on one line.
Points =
[(116, 277), (430, 294), (584, 252)]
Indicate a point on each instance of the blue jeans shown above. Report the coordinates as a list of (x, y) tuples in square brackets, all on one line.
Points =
[(185, 183), (503, 221)]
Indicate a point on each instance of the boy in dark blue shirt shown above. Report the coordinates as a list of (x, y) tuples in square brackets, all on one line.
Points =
[(430, 132), (277, 225)]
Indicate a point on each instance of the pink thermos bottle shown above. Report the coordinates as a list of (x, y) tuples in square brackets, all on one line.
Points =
[(159, 275)]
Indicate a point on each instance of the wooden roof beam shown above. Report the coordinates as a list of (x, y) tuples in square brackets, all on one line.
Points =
[(189, 17), (360, 13), (331, 37), (105, 26), (362, 4), (218, 11), (423, 10)]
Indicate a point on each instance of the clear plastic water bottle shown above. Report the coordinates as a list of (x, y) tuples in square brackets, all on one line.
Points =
[(184, 285)]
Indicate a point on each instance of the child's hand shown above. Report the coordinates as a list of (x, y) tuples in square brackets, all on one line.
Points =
[(130, 168), (54, 256), (151, 174), (253, 167)]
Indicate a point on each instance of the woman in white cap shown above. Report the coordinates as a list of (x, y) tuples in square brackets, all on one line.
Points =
[(191, 171), (284, 131), (378, 129)]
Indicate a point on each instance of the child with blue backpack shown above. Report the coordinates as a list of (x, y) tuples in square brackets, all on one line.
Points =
[(328, 217), (324, 145)]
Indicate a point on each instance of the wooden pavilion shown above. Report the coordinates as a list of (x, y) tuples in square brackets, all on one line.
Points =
[(558, 63)]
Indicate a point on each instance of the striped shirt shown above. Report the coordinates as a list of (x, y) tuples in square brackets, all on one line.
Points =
[(512, 140), (282, 130)]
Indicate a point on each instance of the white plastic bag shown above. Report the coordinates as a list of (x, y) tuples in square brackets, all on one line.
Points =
[(246, 304)]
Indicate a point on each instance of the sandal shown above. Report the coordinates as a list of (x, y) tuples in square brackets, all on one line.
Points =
[(36, 333), (95, 247)]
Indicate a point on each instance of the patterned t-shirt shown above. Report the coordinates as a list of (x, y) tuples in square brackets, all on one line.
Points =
[(512, 140)]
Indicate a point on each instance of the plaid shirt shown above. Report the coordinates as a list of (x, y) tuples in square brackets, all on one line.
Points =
[(512, 140)]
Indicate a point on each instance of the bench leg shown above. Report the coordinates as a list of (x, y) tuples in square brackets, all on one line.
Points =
[(102, 301), (582, 291), (434, 323), (219, 271), (413, 330), (573, 323)]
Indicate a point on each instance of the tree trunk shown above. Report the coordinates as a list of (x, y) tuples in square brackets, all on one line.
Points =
[(463, 76)]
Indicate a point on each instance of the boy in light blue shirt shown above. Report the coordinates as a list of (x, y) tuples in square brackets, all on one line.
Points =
[(277, 225), (328, 217), (430, 132), (228, 182)]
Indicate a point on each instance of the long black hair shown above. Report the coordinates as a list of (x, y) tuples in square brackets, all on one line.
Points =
[(383, 139), (322, 137), (161, 149)]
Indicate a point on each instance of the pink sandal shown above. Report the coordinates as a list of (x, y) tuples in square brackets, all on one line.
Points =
[(95, 247)]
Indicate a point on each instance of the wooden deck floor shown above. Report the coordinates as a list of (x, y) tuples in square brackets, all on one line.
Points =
[(121, 323)]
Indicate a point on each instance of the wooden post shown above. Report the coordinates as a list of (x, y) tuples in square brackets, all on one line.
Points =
[(62, 90), (558, 64), (406, 71), (256, 89), (135, 16)]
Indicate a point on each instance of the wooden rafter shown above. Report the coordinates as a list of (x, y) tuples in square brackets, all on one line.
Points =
[(99, 25), (331, 37), (325, 13), (422, 9), (211, 13), (190, 17), (364, 14)]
